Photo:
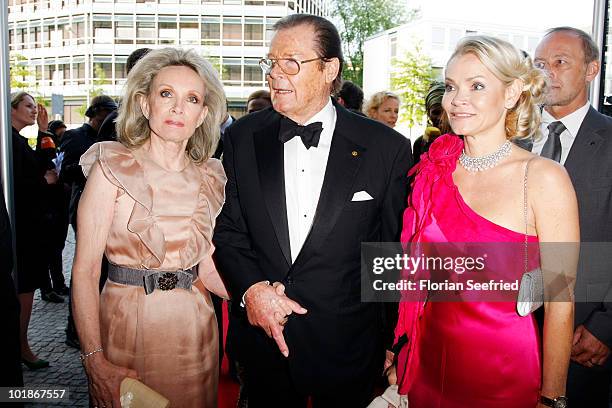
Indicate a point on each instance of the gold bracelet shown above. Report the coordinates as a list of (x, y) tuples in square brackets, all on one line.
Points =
[(91, 353)]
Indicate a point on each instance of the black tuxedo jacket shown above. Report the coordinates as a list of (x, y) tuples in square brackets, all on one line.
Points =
[(339, 340)]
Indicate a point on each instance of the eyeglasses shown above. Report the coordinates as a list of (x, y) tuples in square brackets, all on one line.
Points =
[(289, 66)]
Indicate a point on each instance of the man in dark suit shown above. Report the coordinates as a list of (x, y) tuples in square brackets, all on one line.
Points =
[(580, 138), (296, 211), (74, 143)]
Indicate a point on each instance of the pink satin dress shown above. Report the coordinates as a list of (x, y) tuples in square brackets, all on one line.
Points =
[(163, 220), (470, 354)]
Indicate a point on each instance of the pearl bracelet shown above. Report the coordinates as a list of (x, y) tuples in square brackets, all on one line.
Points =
[(91, 353)]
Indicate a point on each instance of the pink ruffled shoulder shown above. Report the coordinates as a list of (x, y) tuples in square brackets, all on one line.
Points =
[(438, 162), (121, 168), (210, 201)]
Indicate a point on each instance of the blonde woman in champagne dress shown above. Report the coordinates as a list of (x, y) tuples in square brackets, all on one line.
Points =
[(150, 205)]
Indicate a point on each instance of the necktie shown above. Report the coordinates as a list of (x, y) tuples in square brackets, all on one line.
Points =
[(552, 147), (309, 134)]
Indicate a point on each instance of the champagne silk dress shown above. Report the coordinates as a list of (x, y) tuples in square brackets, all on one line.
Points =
[(162, 220), (465, 354)]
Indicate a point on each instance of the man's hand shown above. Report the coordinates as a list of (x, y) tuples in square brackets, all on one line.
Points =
[(267, 307), (42, 118), (587, 349)]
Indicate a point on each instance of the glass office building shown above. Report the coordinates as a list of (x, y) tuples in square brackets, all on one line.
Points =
[(73, 47)]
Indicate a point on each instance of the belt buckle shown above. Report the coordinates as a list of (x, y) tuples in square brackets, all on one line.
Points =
[(167, 281)]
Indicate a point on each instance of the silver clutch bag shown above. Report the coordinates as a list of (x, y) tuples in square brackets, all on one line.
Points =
[(531, 292)]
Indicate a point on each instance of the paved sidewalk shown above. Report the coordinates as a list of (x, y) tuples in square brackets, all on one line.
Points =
[(46, 335)]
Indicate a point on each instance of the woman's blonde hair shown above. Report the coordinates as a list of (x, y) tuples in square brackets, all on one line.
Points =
[(378, 99), (133, 127), (508, 63), (17, 97)]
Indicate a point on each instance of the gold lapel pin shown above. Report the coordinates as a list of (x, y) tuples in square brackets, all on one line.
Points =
[(354, 153)]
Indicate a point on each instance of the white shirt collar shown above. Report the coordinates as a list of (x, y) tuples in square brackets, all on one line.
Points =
[(572, 122), (324, 116), (226, 124), (327, 117)]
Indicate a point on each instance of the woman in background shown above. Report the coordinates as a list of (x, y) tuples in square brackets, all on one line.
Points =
[(384, 107), (31, 180)]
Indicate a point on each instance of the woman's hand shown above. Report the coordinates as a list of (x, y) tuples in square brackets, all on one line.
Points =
[(42, 118), (104, 380)]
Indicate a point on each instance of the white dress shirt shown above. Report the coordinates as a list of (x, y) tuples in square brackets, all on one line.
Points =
[(572, 123), (304, 173)]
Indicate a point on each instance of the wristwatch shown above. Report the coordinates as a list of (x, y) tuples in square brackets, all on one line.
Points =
[(558, 402)]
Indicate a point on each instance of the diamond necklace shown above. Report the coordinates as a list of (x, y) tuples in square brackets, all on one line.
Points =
[(474, 164)]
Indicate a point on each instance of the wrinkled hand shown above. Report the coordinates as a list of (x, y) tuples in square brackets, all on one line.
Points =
[(389, 368), (42, 118), (104, 380), (267, 307), (51, 176), (587, 349)]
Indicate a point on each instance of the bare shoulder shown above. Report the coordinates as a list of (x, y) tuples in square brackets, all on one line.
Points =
[(548, 177)]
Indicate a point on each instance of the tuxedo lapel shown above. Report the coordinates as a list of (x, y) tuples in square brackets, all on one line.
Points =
[(270, 165), (588, 140), (345, 158)]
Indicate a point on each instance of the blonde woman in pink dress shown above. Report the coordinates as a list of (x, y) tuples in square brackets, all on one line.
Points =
[(150, 205), (476, 353)]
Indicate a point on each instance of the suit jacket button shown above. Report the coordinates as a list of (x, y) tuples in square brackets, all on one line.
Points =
[(289, 281)]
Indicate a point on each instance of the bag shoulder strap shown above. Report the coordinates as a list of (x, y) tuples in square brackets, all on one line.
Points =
[(525, 210)]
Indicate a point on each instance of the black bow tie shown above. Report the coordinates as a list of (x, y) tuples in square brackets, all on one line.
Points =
[(309, 134)]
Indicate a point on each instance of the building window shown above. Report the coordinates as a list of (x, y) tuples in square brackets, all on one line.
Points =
[(103, 72), (64, 73), (124, 30), (48, 27), (35, 37), (103, 32), (231, 71), (232, 31), (211, 31), (145, 32), (253, 75), (167, 30), (253, 31), (393, 46), (78, 31), (79, 72), (437, 38), (189, 33), (38, 72), (120, 70)]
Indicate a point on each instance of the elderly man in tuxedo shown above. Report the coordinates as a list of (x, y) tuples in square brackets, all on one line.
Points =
[(308, 181), (580, 138)]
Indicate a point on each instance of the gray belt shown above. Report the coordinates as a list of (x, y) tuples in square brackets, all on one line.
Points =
[(150, 279)]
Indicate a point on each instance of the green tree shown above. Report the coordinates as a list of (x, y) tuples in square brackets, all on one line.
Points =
[(360, 19), (411, 77), (19, 72), (99, 79)]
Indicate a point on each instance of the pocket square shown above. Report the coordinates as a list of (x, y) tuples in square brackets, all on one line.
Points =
[(361, 196)]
